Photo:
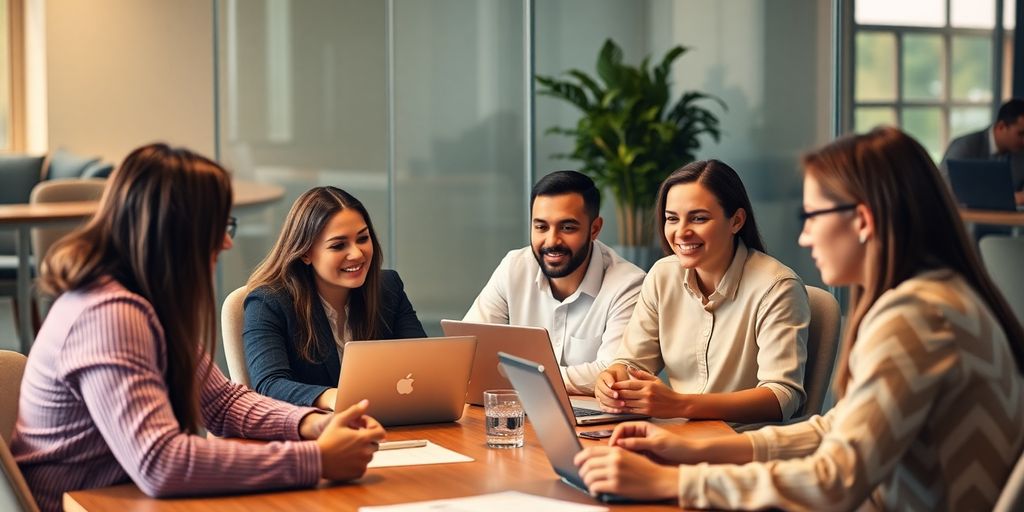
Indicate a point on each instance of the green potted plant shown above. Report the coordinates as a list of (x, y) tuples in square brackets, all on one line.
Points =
[(630, 136)]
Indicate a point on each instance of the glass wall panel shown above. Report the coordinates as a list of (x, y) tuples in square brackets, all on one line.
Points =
[(914, 13), (925, 124), (460, 170), (922, 67), (972, 68), (876, 66)]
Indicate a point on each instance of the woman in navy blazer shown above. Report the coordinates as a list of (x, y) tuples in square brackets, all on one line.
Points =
[(321, 286)]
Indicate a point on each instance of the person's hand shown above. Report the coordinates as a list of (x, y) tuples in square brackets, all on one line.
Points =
[(612, 470), (326, 399), (348, 442), (646, 394), (650, 440), (607, 397), (313, 424)]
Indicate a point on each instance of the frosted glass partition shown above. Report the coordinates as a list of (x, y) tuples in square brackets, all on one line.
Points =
[(423, 111), (460, 169)]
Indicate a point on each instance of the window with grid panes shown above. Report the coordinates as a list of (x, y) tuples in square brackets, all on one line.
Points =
[(927, 66)]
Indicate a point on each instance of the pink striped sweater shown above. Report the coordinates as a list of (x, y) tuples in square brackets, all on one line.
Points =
[(94, 411)]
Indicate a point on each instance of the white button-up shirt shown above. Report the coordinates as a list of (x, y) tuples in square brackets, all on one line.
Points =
[(585, 328)]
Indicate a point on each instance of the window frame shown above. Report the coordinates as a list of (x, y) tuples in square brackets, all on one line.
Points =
[(1001, 88)]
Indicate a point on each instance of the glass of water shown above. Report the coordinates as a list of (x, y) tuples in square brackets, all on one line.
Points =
[(504, 415)]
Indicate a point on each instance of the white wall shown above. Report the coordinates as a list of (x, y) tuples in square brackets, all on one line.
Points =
[(122, 73)]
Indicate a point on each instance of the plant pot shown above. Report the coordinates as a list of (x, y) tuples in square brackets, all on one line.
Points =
[(642, 256)]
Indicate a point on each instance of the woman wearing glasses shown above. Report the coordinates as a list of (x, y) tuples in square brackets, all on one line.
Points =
[(120, 378), (321, 286), (930, 415), (727, 322)]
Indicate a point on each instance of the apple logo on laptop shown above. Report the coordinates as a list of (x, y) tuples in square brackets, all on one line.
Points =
[(404, 386)]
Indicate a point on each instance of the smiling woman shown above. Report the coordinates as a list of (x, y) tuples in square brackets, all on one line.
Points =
[(727, 322), (321, 286)]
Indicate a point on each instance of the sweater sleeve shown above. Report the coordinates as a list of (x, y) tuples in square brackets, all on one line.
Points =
[(897, 368), (641, 340), (113, 358)]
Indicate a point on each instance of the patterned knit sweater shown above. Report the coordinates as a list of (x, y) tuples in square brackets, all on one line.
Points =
[(933, 418)]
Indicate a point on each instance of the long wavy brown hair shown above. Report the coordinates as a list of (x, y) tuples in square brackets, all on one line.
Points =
[(283, 269), (162, 217), (917, 225)]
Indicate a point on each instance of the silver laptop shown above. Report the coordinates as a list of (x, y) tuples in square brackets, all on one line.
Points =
[(531, 343), (557, 435), (420, 380)]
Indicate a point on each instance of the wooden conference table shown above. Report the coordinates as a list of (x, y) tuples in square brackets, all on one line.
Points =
[(24, 217), (523, 469)]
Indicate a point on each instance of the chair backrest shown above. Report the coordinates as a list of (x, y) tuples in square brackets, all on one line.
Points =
[(12, 367), (232, 318), (59, 191), (822, 344), (14, 492), (1002, 256)]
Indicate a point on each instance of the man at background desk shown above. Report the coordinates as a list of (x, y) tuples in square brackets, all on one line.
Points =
[(1003, 140), (566, 281)]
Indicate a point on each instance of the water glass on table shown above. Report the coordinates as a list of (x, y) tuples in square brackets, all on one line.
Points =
[(504, 418)]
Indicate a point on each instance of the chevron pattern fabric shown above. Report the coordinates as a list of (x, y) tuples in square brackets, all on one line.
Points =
[(933, 418)]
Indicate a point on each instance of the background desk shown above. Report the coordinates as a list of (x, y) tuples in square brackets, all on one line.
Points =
[(522, 469), (993, 217), (24, 217)]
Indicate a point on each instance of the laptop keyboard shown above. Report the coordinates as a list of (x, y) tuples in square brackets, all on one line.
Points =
[(581, 412)]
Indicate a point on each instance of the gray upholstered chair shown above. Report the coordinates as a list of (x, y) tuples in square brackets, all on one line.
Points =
[(1003, 256), (822, 345), (232, 318)]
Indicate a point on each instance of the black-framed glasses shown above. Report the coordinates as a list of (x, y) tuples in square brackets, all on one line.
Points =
[(804, 214), (232, 227)]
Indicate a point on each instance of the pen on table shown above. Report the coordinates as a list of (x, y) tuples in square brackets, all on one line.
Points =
[(396, 445)]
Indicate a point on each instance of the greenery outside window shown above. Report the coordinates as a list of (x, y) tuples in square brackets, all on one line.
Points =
[(927, 66)]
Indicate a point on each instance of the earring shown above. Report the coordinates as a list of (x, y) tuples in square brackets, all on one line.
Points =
[(863, 237)]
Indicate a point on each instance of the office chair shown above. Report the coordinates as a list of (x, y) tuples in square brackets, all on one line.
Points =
[(12, 367), (14, 492), (1002, 256), (822, 345), (232, 317)]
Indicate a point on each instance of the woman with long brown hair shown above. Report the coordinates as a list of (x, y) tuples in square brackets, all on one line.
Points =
[(321, 286), (931, 408), (120, 378), (725, 320)]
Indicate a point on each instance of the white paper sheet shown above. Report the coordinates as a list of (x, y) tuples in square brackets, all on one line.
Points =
[(429, 454), (509, 501)]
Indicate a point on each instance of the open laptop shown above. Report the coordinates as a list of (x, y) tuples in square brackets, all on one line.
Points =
[(557, 435), (420, 380), (982, 184), (528, 342)]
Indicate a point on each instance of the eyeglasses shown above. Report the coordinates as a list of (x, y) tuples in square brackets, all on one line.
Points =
[(804, 214), (232, 227)]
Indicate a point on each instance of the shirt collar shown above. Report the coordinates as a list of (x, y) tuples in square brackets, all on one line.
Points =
[(729, 285), (992, 149), (592, 279)]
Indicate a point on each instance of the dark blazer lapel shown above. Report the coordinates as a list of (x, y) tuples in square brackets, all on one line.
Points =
[(325, 342)]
